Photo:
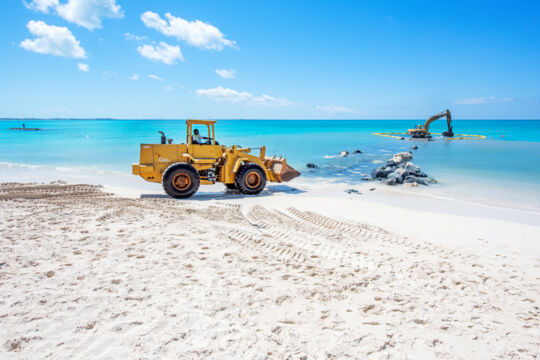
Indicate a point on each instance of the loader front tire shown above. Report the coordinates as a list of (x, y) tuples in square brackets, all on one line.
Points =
[(250, 179), (180, 180)]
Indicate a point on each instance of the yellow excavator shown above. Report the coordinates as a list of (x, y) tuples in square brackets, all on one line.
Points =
[(422, 130)]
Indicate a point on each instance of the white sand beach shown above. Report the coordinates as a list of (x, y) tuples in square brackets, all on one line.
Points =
[(288, 180), (85, 273)]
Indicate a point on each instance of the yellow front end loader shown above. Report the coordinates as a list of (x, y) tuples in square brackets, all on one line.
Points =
[(181, 168)]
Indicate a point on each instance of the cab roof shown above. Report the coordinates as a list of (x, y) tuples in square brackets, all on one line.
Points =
[(200, 122)]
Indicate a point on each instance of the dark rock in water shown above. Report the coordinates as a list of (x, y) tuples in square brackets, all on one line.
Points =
[(397, 175), (400, 157), (353, 191), (413, 179), (390, 181), (381, 172), (388, 170), (414, 147), (399, 169), (357, 151), (400, 172), (371, 189), (311, 166), (410, 179), (344, 153), (376, 173), (402, 138), (411, 168)]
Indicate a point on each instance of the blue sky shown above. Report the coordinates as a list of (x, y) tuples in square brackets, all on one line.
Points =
[(269, 59)]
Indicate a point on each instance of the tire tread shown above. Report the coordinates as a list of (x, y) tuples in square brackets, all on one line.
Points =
[(169, 188), (240, 176)]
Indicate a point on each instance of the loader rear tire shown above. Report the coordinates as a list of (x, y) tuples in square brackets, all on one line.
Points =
[(250, 179), (231, 186), (180, 180)]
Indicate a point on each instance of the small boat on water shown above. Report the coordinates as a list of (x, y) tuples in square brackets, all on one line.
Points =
[(24, 128)]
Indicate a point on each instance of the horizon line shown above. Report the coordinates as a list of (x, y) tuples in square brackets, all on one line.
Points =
[(251, 119)]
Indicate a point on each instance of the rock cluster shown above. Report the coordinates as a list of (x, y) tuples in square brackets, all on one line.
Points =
[(400, 170), (346, 153)]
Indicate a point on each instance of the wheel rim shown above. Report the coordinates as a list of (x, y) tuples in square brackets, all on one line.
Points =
[(181, 181), (253, 179)]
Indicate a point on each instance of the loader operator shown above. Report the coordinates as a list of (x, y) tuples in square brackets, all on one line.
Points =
[(197, 138)]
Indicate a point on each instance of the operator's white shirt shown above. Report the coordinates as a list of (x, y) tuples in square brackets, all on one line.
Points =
[(198, 138)]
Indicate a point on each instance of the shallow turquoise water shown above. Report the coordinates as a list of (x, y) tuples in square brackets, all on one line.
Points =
[(114, 144)]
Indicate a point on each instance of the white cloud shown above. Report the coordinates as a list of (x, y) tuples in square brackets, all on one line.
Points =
[(333, 109), (87, 13), (168, 54), (168, 88), (130, 36), (480, 101), (155, 77), (226, 74), (41, 5), (83, 67), (195, 33), (134, 77), (54, 40), (224, 94)]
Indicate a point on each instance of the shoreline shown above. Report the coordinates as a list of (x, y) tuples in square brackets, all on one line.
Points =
[(119, 179), (416, 212)]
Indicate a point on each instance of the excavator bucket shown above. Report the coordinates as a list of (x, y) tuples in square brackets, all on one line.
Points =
[(280, 169)]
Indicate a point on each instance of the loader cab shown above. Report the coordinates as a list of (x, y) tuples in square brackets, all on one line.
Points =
[(200, 125), (208, 149)]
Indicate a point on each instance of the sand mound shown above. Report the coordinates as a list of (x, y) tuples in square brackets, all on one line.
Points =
[(86, 274)]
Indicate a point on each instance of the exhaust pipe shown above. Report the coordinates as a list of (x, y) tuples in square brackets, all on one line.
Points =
[(163, 137)]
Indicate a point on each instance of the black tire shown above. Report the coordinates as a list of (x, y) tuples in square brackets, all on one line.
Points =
[(180, 180), (231, 186), (250, 179)]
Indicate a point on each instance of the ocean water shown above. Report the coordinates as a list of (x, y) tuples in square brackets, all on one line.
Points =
[(503, 168)]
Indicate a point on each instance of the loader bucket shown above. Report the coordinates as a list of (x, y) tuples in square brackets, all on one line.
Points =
[(280, 169)]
